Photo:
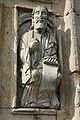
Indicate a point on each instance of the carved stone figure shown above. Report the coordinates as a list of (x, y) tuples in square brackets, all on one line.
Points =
[(40, 63)]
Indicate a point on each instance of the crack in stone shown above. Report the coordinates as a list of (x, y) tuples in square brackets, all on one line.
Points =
[(72, 10)]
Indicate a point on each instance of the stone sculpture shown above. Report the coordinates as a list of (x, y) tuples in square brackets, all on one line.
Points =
[(40, 63)]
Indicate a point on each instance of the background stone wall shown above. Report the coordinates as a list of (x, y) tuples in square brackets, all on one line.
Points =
[(8, 56)]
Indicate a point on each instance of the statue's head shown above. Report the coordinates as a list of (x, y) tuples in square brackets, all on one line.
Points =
[(40, 16)]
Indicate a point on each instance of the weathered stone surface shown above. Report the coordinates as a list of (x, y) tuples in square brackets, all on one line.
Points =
[(8, 57), (77, 7), (34, 111), (28, 114), (38, 54), (8, 47), (72, 25), (6, 114)]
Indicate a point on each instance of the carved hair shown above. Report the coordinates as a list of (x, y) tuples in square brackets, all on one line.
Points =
[(39, 6)]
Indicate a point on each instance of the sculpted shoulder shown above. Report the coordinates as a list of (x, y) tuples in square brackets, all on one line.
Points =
[(52, 36), (27, 37)]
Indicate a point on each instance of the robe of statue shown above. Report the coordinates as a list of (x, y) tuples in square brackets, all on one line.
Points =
[(40, 92)]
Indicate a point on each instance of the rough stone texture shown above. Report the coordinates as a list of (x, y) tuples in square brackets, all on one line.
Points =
[(77, 9), (72, 30), (8, 33), (8, 46), (6, 113), (77, 6), (44, 73), (8, 57), (34, 111), (25, 4)]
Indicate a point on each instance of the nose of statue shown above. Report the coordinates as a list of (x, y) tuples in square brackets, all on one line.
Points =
[(39, 14)]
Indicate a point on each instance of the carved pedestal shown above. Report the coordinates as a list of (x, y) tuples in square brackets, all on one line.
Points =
[(37, 114)]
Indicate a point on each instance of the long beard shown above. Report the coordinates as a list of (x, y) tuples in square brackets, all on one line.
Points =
[(40, 25)]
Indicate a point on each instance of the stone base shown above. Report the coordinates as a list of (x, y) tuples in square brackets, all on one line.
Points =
[(38, 114), (33, 111), (32, 114)]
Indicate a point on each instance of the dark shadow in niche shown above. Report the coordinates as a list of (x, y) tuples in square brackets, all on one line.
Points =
[(24, 23)]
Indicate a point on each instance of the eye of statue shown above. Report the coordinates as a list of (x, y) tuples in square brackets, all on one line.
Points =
[(37, 12), (44, 13)]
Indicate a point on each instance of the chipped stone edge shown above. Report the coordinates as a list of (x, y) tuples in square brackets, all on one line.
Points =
[(33, 111)]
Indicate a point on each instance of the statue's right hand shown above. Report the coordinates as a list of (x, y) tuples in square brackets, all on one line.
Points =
[(34, 45)]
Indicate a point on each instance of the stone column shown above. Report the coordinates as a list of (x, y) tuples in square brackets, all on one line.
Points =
[(73, 47)]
